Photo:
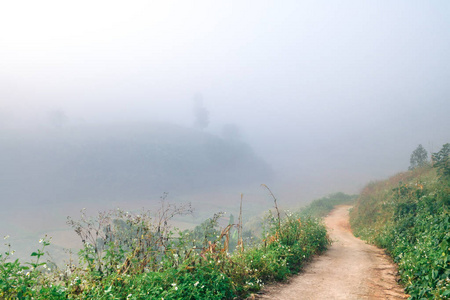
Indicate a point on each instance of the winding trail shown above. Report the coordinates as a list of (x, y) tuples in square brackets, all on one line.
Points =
[(350, 269)]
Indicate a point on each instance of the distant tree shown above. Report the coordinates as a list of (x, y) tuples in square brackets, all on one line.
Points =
[(441, 161), (418, 157), (201, 114)]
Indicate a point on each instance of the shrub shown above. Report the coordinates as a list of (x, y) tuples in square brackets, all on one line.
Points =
[(139, 256), (412, 222)]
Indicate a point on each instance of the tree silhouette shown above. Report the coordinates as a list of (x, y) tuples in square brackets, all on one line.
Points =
[(418, 157), (201, 114)]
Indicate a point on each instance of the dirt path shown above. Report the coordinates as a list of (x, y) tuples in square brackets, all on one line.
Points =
[(350, 269)]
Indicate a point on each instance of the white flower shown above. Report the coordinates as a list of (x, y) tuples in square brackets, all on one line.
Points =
[(174, 284), (176, 288), (129, 296), (40, 241), (195, 284), (6, 237)]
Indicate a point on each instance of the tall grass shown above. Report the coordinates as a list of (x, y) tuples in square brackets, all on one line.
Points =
[(140, 256)]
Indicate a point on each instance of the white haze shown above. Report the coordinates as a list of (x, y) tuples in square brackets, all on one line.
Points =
[(331, 94)]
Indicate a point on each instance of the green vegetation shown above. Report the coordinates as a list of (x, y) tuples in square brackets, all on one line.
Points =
[(321, 207), (441, 161), (140, 256), (418, 157), (409, 215)]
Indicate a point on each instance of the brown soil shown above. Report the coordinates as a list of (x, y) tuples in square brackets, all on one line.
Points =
[(350, 269)]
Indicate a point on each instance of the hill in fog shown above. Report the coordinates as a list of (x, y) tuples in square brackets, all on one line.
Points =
[(121, 162)]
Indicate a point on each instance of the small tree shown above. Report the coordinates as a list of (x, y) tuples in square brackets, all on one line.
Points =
[(441, 161), (418, 157)]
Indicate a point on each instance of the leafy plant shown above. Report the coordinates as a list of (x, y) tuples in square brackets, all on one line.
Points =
[(28, 280), (139, 256)]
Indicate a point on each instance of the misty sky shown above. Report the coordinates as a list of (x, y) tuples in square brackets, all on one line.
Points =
[(293, 75)]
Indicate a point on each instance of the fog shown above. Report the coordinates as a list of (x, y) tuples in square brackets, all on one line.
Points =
[(308, 97)]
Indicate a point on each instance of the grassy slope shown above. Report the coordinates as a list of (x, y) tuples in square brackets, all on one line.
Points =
[(321, 207), (408, 215)]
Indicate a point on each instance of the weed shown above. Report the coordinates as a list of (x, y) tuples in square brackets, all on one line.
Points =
[(140, 256)]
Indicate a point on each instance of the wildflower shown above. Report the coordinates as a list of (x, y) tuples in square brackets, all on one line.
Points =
[(195, 284), (40, 241), (6, 237)]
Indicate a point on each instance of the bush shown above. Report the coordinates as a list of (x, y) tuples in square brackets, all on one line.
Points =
[(136, 256), (412, 222)]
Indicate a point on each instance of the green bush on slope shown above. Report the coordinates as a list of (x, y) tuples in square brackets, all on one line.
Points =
[(321, 207), (409, 216)]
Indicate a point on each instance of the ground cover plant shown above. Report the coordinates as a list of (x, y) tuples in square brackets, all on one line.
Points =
[(139, 255), (409, 216)]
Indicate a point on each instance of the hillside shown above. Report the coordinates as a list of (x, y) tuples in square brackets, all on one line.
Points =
[(409, 215), (121, 161)]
